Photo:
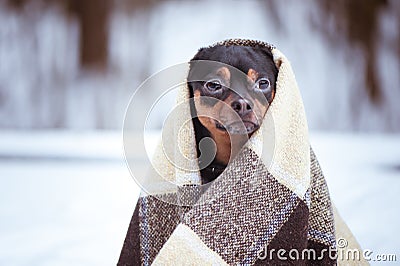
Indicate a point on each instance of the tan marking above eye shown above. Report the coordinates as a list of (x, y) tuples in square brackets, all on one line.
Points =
[(225, 74), (252, 75)]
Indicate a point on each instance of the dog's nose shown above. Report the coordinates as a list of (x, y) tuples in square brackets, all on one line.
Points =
[(241, 106)]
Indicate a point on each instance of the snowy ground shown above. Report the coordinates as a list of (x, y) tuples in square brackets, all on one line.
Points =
[(66, 198)]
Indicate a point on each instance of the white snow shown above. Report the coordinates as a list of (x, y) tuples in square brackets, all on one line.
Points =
[(66, 198)]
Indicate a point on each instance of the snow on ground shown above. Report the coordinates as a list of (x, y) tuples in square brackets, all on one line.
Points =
[(66, 198), (363, 175)]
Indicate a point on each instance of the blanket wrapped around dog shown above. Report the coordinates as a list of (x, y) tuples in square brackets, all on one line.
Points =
[(271, 205)]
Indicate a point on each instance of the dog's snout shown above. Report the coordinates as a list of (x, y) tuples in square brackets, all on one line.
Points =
[(241, 106)]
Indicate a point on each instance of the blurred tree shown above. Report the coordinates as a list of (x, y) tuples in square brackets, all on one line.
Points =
[(93, 20), (356, 23), (93, 17)]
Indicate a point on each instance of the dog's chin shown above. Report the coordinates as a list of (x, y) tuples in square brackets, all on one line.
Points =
[(240, 127)]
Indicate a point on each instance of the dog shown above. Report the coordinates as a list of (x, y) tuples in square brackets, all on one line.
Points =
[(237, 103)]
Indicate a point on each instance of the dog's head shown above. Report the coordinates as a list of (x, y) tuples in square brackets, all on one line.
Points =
[(236, 91)]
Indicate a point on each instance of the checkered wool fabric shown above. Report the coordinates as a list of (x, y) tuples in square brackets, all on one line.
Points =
[(267, 199)]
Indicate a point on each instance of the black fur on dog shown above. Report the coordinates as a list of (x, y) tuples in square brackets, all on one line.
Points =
[(244, 58)]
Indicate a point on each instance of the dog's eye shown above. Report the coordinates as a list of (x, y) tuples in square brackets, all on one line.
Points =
[(213, 85), (263, 84)]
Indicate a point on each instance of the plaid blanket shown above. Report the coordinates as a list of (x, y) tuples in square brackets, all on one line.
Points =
[(270, 206)]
